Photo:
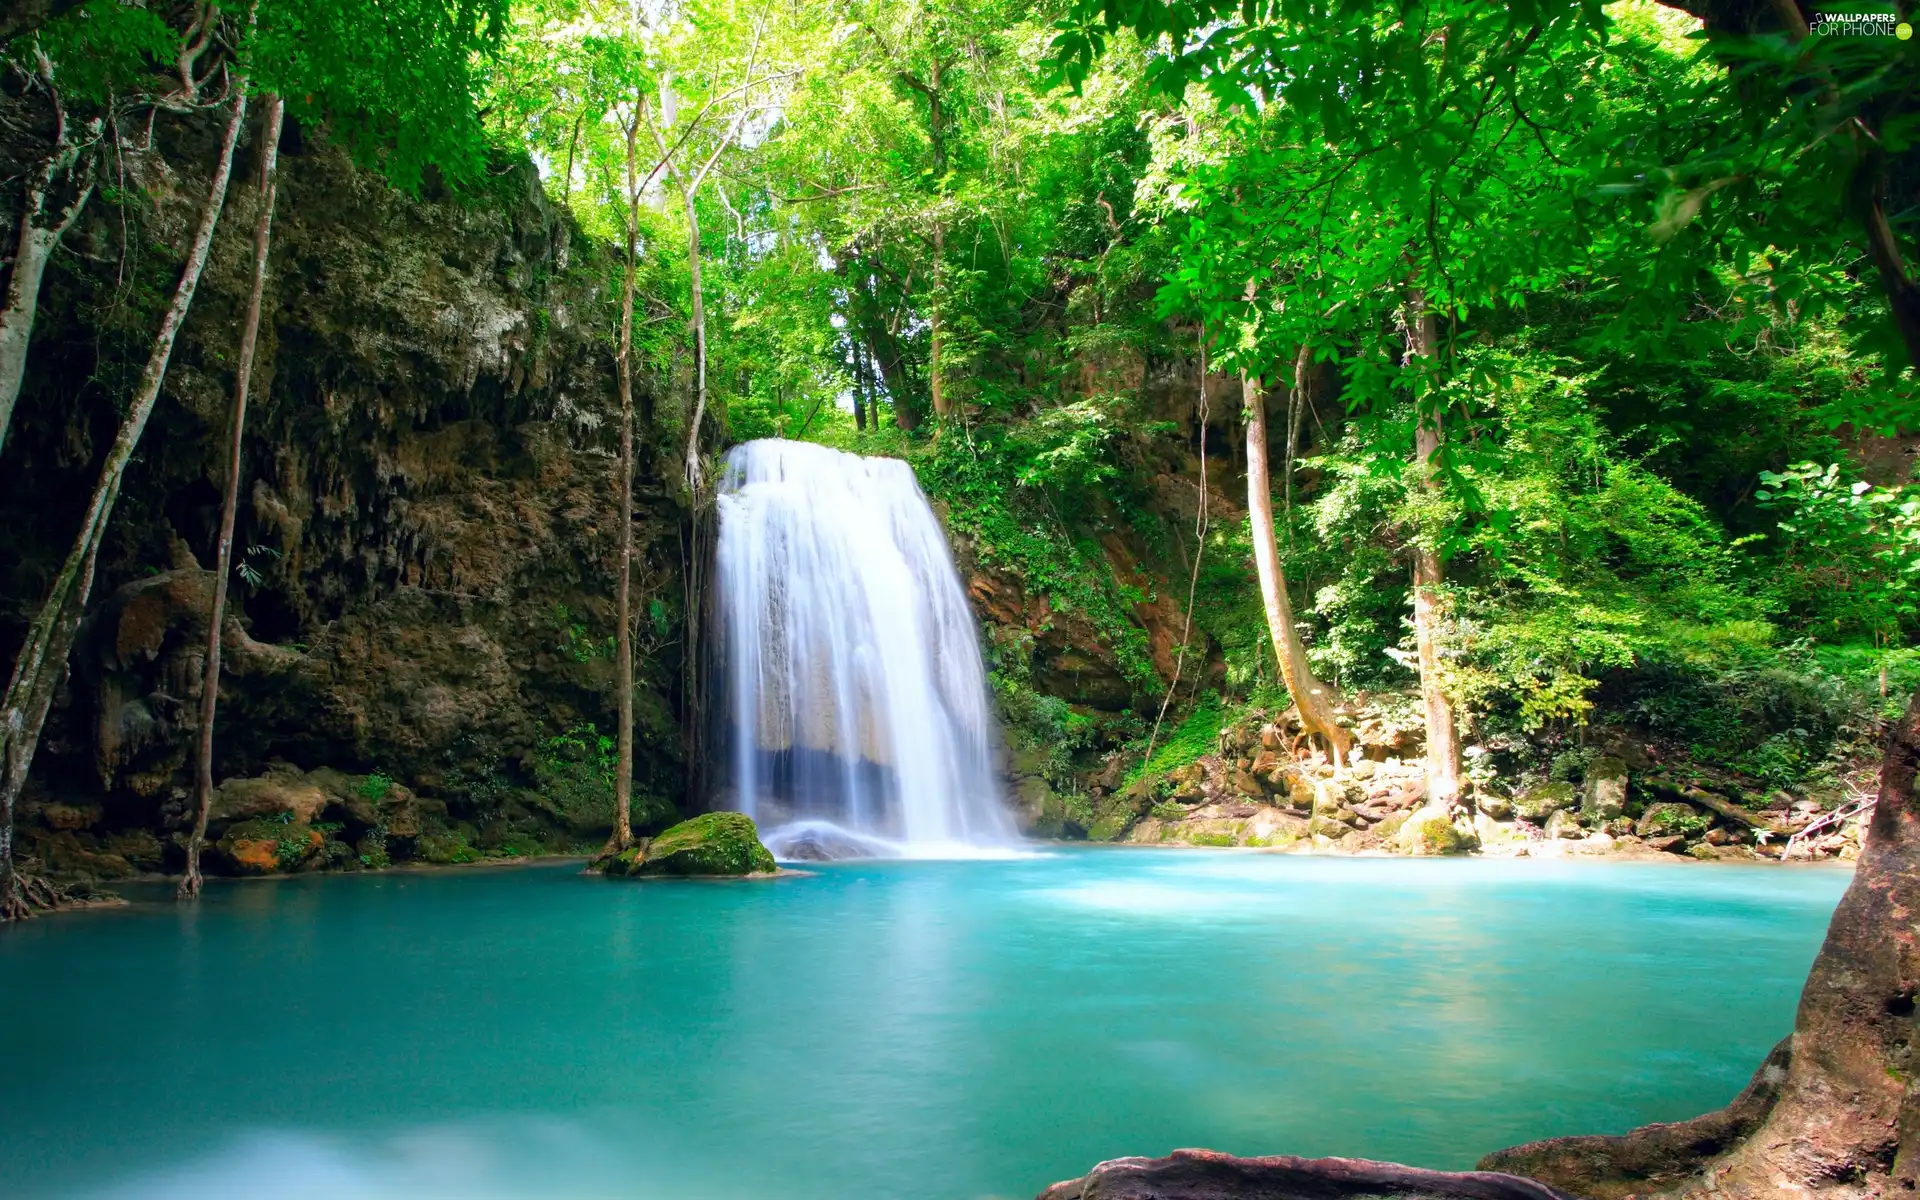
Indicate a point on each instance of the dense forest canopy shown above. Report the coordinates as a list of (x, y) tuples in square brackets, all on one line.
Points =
[(1666, 377)]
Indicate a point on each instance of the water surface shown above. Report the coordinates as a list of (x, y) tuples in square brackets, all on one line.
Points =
[(945, 1030)]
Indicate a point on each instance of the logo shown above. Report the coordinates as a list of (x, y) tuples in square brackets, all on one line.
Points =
[(1861, 24)]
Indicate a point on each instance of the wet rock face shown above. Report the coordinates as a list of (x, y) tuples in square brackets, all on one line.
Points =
[(425, 534)]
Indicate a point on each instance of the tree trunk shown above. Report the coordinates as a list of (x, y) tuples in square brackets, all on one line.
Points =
[(699, 344), (43, 656), (1314, 699), (1429, 583), (622, 835), (1834, 1110), (859, 386), (230, 503), (33, 246), (936, 385)]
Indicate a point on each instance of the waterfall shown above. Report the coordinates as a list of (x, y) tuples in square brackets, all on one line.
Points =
[(854, 706)]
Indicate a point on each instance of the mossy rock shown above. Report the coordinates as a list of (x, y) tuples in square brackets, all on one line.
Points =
[(1115, 814), (1430, 832), (1671, 817), (264, 847), (445, 846), (711, 844), (1536, 804), (1605, 796)]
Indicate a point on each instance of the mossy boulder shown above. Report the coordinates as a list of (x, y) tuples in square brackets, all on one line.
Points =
[(1432, 832), (1670, 818), (445, 846), (711, 844), (263, 847), (1536, 804), (1605, 796), (1114, 815)]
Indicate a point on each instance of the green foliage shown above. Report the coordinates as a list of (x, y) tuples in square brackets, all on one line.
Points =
[(375, 787), (1851, 551), (1781, 718), (1045, 729), (1019, 529), (576, 644), (292, 848), (445, 846), (373, 848), (1194, 737), (575, 774)]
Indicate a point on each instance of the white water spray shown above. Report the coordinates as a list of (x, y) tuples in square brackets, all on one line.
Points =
[(855, 705)]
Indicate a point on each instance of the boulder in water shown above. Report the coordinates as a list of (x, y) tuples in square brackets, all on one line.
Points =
[(821, 843), (711, 844)]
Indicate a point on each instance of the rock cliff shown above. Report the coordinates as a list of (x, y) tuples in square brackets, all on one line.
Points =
[(425, 534)]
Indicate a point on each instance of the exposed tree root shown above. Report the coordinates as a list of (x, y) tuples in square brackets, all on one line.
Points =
[(25, 895), (1653, 1158), (1835, 1110), (1207, 1175)]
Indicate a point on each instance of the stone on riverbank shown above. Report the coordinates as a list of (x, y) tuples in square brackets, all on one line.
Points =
[(1432, 831), (1536, 804), (716, 844), (1606, 792)]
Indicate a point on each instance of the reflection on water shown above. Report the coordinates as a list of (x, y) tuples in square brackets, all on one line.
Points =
[(942, 1029)]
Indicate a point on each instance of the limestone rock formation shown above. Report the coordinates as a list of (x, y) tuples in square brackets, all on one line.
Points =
[(425, 532)]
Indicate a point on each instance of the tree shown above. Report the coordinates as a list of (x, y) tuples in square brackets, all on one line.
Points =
[(190, 880), (1429, 583), (1310, 696), (1833, 1109), (417, 116), (708, 63), (43, 659), (68, 163)]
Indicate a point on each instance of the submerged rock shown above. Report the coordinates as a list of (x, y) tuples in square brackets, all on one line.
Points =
[(711, 844), (821, 843)]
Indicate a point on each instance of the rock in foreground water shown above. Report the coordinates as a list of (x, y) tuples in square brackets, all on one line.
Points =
[(1208, 1175), (711, 844)]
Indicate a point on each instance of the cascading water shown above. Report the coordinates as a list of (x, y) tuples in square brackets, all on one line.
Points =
[(854, 706)]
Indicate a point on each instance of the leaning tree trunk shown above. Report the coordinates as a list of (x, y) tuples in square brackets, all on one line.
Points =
[(230, 502), (43, 656), (1429, 596), (1313, 698), (39, 233), (1835, 1108), (622, 835)]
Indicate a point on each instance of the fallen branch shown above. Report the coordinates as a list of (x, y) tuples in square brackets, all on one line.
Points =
[(1829, 820), (1718, 804)]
